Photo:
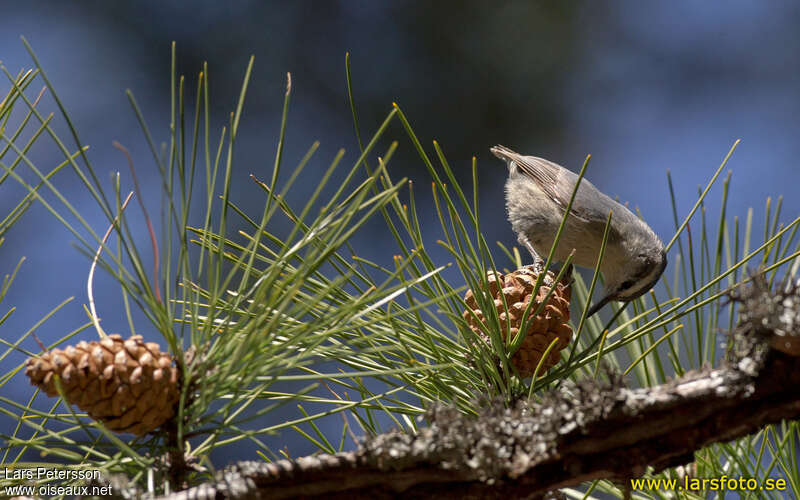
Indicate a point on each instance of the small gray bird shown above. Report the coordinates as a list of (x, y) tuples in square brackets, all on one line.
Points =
[(538, 191)]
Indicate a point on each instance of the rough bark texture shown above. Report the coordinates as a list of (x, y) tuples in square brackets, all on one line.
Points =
[(584, 431)]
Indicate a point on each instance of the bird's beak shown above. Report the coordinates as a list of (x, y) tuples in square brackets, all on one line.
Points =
[(605, 300)]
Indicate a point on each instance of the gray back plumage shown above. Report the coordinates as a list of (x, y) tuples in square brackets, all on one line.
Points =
[(591, 206)]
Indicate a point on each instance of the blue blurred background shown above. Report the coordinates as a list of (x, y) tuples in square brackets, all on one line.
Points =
[(644, 87)]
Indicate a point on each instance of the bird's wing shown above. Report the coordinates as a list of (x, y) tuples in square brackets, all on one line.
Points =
[(555, 181)]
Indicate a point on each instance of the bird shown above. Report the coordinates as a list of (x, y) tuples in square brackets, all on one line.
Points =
[(537, 193)]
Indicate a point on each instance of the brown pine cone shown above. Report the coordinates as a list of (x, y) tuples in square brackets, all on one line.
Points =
[(552, 323), (129, 385)]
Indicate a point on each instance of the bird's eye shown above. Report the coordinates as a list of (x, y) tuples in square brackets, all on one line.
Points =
[(626, 285)]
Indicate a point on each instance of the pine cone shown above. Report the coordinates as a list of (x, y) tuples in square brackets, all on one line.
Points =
[(552, 323), (129, 385)]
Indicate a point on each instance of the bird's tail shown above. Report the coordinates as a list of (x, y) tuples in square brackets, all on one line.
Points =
[(504, 153)]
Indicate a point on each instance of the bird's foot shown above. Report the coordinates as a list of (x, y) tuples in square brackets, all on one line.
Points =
[(537, 260)]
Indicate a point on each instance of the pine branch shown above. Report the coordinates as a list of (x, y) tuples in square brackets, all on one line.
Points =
[(587, 430)]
